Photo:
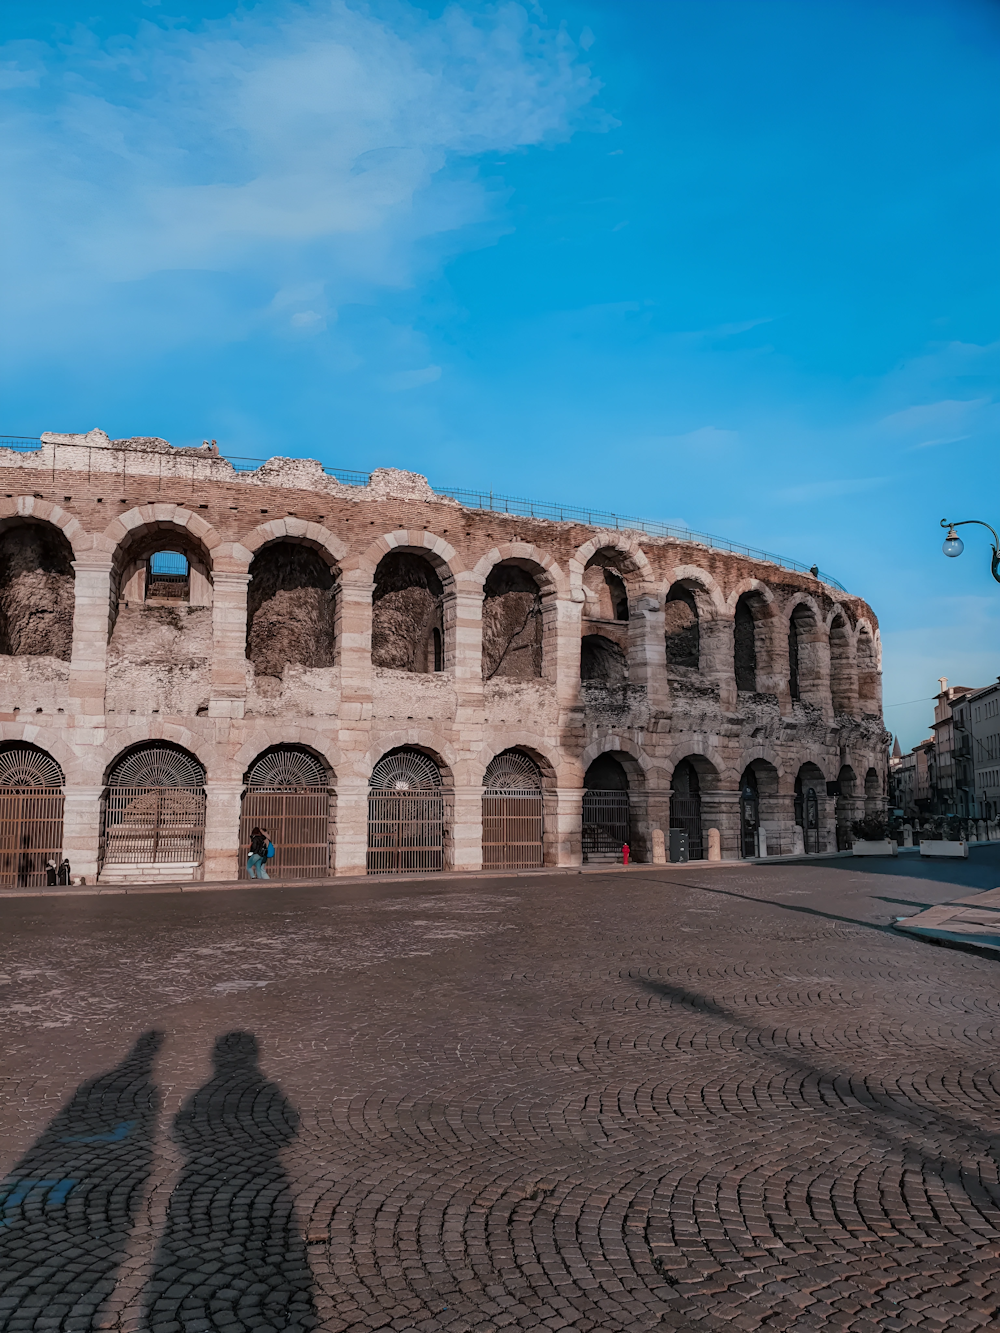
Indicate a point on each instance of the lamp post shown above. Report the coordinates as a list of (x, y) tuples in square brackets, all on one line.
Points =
[(953, 544)]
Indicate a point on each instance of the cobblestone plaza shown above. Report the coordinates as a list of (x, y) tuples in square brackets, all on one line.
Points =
[(688, 1097)]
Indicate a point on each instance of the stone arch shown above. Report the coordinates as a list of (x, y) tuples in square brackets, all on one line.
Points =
[(843, 667), (536, 561), (711, 600), (153, 814), (629, 755), (874, 793), (321, 539), (289, 793), (37, 587), (808, 651), (30, 507), (682, 625), (415, 578), (551, 763), (634, 564), (414, 738), (291, 606), (149, 731), (32, 782), (749, 639), (811, 807), (137, 534), (869, 674), (266, 737), (760, 809), (75, 769), (692, 776), (847, 806)]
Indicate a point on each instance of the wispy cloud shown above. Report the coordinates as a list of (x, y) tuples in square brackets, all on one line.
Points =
[(311, 143), (829, 490)]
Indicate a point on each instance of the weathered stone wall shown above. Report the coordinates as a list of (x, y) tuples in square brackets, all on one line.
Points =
[(297, 653)]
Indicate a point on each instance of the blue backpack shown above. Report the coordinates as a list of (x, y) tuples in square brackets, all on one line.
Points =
[(270, 850)]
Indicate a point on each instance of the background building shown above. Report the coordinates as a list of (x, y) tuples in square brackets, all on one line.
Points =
[(392, 679)]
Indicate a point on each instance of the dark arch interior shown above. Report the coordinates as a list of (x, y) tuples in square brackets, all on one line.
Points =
[(745, 645), (512, 624), (36, 592), (799, 625), (682, 629), (407, 614), (606, 774), (602, 660), (685, 780), (290, 605)]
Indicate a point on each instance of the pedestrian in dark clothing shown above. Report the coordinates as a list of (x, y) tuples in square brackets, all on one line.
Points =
[(51, 874), (64, 871), (257, 860)]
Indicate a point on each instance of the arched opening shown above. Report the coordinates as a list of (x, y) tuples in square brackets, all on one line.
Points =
[(869, 683), (682, 628), (405, 814), (604, 588), (513, 824), (290, 609), (749, 610), (168, 577), (685, 807), (31, 815), (602, 661), (36, 591), (153, 816), (810, 790), (512, 624), (845, 808), (749, 814), (874, 795), (288, 795), (843, 689), (806, 674), (606, 816), (407, 615)]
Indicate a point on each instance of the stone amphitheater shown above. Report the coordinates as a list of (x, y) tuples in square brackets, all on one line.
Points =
[(392, 679)]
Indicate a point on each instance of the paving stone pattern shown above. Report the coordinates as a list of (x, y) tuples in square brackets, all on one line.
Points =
[(682, 1099)]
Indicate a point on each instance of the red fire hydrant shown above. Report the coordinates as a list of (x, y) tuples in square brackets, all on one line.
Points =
[(625, 854)]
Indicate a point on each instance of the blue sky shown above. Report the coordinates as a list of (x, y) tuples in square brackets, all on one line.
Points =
[(728, 262)]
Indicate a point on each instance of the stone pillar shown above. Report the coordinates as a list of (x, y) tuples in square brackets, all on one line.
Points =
[(561, 619), (229, 645), (721, 810), (564, 826), (351, 847), (717, 655), (647, 653), (713, 839), (89, 656), (222, 830), (354, 646), (466, 829), (772, 660), (82, 830), (463, 637)]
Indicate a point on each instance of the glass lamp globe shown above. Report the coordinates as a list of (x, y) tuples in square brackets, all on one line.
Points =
[(953, 545)]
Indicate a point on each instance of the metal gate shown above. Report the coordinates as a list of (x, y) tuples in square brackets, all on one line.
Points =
[(31, 815), (512, 813), (405, 814), (605, 822), (288, 794), (749, 820), (154, 810), (810, 825), (685, 813)]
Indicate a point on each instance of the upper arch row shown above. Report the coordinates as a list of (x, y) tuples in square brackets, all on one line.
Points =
[(235, 558)]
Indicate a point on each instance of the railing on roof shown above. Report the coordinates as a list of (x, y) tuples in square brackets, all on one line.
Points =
[(509, 504)]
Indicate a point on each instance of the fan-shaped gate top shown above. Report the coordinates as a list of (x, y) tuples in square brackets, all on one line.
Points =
[(157, 766), (512, 771), (21, 766), (287, 768), (405, 770)]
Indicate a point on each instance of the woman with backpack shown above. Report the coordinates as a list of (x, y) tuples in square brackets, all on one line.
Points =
[(259, 849)]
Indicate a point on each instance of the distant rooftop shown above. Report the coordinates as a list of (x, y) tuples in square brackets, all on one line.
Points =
[(509, 504)]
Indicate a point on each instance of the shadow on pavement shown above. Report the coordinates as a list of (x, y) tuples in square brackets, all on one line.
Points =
[(980, 871), (70, 1202), (231, 1256)]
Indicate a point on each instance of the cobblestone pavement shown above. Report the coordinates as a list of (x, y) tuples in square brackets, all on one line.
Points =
[(681, 1098)]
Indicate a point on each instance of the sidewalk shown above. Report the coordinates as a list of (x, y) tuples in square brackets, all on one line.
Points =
[(971, 923)]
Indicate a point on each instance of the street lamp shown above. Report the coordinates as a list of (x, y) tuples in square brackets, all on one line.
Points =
[(953, 544)]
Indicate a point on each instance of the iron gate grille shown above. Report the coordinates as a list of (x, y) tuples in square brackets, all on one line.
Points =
[(749, 820), (153, 825), (405, 830), (31, 832), (810, 830), (298, 824), (685, 813), (512, 830), (605, 821)]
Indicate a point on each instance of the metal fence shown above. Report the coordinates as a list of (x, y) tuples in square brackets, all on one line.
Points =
[(512, 830), (685, 813), (31, 833), (153, 826), (605, 822), (405, 831), (297, 823)]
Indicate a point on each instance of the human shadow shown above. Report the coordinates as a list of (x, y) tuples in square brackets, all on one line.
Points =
[(231, 1256), (69, 1204)]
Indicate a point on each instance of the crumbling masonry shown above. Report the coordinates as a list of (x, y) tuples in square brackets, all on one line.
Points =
[(393, 681)]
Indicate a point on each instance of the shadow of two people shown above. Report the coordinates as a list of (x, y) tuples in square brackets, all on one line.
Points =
[(230, 1256)]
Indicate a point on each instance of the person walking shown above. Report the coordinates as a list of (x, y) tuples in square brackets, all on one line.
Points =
[(257, 860)]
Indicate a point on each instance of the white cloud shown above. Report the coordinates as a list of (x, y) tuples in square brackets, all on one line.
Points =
[(303, 143), (829, 490)]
